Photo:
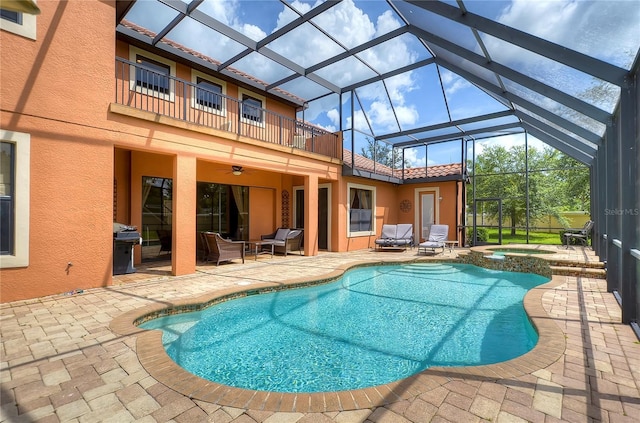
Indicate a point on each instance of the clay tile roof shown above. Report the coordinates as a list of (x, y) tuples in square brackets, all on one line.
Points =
[(151, 34), (434, 171)]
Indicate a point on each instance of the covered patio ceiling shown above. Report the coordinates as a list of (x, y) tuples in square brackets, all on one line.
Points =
[(414, 72)]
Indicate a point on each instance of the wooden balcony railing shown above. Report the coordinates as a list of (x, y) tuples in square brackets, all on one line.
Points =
[(150, 90)]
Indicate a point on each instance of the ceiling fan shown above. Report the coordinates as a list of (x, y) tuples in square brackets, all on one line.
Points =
[(235, 170)]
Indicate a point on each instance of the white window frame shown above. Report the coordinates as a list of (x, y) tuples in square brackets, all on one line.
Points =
[(25, 29), (263, 99), (371, 188), (133, 86), (194, 104), (22, 142)]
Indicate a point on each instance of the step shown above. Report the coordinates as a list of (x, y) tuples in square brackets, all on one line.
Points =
[(589, 272), (575, 263)]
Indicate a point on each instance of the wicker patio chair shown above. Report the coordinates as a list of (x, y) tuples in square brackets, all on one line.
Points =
[(221, 249), (285, 240)]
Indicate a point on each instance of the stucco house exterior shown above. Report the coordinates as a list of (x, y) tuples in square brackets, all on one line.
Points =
[(98, 129)]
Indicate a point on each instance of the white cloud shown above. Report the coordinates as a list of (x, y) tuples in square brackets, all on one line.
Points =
[(334, 117), (412, 158), (608, 30), (225, 12), (379, 110), (399, 85), (360, 122), (407, 115), (387, 22), (347, 23), (382, 115), (453, 82), (252, 31), (546, 19)]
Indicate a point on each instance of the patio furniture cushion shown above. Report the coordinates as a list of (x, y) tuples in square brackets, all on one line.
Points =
[(290, 241), (437, 236), (404, 234), (281, 234), (395, 235)]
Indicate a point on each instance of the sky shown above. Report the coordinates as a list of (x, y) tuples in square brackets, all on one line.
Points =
[(605, 29)]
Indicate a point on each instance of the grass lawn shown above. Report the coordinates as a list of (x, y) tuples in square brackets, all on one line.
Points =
[(548, 238)]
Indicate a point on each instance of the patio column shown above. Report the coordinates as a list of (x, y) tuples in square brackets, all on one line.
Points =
[(629, 212), (598, 213), (183, 254), (311, 215), (612, 206)]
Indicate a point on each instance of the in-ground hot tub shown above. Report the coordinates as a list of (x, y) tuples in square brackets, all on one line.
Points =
[(500, 251)]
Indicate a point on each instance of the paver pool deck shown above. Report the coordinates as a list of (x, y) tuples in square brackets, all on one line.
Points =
[(61, 360)]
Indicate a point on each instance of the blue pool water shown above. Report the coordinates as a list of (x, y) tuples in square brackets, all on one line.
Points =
[(373, 326)]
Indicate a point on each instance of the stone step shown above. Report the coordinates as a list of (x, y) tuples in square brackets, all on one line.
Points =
[(589, 272), (575, 263)]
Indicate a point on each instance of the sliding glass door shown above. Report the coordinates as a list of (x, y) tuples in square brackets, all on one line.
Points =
[(223, 209), (157, 210)]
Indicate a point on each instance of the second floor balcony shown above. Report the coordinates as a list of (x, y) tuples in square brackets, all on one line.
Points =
[(153, 90)]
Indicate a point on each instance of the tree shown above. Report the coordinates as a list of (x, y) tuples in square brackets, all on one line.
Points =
[(382, 153), (556, 183)]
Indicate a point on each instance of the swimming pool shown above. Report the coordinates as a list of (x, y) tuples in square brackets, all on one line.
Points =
[(375, 325)]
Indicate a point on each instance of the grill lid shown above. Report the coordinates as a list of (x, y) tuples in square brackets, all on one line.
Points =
[(121, 227), (127, 236)]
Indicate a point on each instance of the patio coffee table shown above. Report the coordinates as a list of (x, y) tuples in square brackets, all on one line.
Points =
[(255, 246)]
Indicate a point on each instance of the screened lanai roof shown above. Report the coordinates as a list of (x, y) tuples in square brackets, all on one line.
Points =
[(415, 72)]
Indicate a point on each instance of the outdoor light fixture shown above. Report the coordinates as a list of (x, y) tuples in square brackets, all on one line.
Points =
[(236, 170)]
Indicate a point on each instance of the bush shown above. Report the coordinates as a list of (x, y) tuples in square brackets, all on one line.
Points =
[(481, 235)]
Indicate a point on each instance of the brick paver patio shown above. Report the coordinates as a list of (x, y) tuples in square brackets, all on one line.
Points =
[(62, 362)]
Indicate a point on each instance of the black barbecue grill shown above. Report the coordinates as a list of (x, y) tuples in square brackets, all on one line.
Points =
[(124, 238)]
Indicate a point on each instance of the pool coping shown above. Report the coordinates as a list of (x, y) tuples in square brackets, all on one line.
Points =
[(543, 250), (153, 357)]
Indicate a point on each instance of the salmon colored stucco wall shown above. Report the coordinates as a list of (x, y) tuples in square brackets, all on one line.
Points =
[(384, 213), (388, 198), (60, 90), (122, 186), (48, 90), (448, 207), (261, 211)]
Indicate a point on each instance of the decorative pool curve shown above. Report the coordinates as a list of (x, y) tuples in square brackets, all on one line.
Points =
[(375, 325)]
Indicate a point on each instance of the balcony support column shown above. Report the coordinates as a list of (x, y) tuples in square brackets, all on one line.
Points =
[(311, 215), (183, 219)]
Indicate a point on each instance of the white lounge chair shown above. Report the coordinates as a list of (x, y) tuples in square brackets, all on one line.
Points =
[(437, 236)]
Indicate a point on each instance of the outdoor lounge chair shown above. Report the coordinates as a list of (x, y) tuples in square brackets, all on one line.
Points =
[(578, 235), (437, 236), (395, 236), (285, 240), (221, 249)]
